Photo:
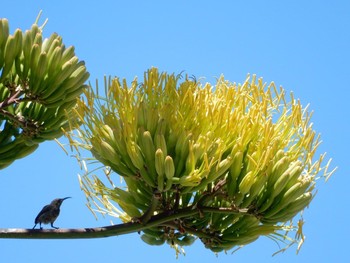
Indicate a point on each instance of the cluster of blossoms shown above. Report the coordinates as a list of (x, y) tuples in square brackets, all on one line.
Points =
[(226, 163)]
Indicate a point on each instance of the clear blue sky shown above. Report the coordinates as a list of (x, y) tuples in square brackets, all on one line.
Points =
[(302, 45)]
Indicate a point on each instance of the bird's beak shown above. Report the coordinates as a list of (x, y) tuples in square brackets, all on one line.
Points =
[(65, 198)]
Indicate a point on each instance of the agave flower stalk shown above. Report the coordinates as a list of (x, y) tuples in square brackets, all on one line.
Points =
[(40, 80), (242, 155)]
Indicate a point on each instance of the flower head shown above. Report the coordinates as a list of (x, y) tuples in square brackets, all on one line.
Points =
[(240, 154)]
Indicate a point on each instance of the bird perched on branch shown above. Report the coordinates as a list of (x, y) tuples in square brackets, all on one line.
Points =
[(49, 213)]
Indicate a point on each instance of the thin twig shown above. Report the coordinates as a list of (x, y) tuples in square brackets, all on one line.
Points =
[(14, 98), (28, 126)]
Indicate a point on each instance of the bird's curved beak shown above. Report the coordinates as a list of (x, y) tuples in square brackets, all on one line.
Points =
[(65, 198)]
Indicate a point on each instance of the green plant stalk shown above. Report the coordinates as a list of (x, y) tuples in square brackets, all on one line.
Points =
[(163, 219)]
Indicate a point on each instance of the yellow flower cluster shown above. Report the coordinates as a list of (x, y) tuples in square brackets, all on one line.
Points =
[(242, 154)]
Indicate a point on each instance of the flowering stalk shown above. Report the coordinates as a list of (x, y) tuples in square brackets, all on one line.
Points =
[(242, 154), (40, 81)]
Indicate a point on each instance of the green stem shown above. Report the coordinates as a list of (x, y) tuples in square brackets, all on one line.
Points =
[(189, 230), (165, 218), (224, 210), (96, 232), (153, 206)]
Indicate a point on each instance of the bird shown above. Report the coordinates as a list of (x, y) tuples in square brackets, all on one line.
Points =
[(49, 213)]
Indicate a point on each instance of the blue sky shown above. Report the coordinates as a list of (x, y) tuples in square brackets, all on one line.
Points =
[(301, 45)]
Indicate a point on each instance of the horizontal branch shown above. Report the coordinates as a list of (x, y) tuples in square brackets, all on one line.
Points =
[(163, 219), (96, 232)]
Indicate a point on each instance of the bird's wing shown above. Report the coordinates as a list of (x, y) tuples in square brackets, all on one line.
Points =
[(45, 209)]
